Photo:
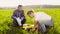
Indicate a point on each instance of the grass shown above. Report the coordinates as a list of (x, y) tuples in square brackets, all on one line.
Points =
[(6, 21)]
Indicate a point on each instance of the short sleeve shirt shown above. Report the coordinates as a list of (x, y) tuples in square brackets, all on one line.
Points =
[(41, 16)]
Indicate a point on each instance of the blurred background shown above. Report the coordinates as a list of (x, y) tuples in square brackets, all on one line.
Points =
[(30, 3)]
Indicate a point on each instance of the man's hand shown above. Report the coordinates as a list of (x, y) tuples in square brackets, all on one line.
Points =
[(35, 25), (33, 29)]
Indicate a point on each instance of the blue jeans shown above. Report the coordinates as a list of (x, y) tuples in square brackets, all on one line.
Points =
[(43, 27)]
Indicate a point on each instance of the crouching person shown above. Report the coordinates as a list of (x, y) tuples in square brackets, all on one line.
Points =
[(42, 20), (18, 16)]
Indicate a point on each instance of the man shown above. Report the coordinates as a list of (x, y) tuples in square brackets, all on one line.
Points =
[(42, 20), (18, 16)]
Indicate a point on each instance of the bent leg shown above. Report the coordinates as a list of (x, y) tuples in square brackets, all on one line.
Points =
[(15, 23), (42, 28), (23, 21)]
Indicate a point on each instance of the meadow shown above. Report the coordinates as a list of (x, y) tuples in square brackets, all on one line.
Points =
[(6, 22)]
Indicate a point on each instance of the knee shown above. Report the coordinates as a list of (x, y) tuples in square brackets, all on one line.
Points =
[(23, 21)]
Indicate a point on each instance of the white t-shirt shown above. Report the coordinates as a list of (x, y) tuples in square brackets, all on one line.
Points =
[(42, 17)]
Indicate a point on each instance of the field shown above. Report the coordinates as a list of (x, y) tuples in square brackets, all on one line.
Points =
[(6, 24)]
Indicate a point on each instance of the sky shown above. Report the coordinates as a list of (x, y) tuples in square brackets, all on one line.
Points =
[(14, 3)]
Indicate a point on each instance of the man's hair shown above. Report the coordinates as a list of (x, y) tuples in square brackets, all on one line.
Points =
[(19, 6), (29, 12)]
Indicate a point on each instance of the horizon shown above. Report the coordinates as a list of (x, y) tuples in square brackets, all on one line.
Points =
[(9, 3)]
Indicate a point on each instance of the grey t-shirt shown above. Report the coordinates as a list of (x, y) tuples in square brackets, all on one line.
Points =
[(43, 18)]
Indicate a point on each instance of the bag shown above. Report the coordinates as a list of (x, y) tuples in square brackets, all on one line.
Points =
[(19, 21)]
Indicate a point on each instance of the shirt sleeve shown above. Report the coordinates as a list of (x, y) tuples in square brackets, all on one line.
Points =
[(36, 18), (14, 15), (22, 15)]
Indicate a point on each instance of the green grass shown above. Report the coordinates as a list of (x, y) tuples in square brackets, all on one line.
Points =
[(6, 21)]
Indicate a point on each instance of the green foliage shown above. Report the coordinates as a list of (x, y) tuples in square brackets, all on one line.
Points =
[(6, 24)]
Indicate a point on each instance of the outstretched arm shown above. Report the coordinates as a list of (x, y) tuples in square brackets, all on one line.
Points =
[(35, 25)]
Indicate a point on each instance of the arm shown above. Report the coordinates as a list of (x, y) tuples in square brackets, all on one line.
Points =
[(22, 15), (35, 25), (14, 15)]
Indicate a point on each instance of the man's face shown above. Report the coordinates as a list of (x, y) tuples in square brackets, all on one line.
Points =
[(31, 15), (20, 8)]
